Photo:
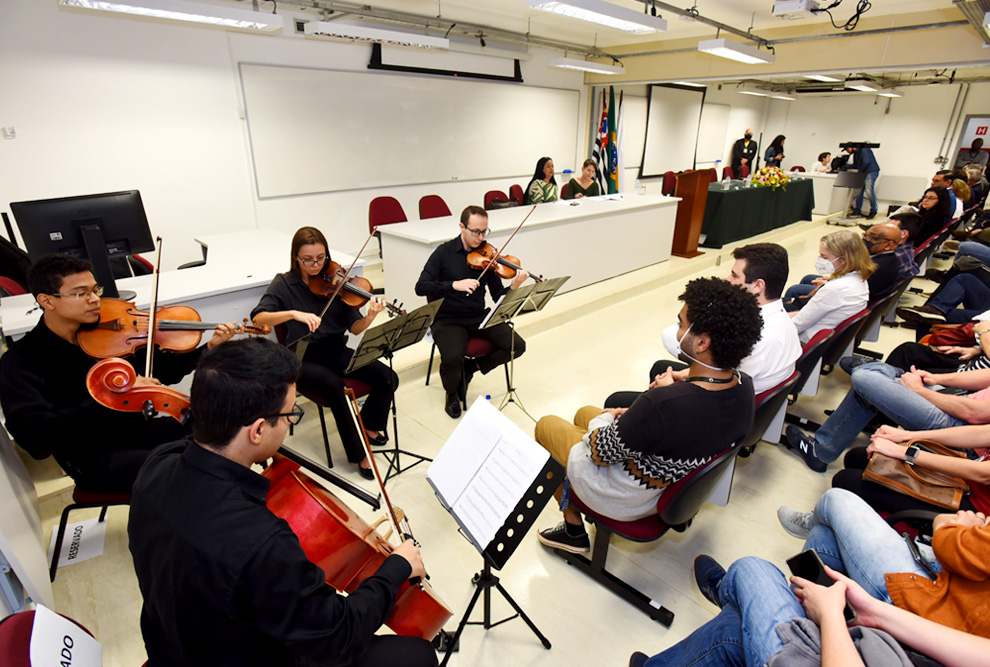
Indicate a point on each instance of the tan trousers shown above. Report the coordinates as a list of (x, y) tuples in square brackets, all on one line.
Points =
[(558, 436)]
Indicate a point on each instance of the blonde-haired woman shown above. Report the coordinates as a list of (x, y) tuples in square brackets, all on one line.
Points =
[(845, 264)]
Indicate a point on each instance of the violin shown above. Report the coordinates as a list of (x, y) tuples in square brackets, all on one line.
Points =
[(487, 256), (123, 329), (355, 291)]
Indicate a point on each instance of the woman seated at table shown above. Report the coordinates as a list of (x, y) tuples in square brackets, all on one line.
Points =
[(845, 265), (543, 186), (289, 301), (775, 152), (824, 164), (584, 185)]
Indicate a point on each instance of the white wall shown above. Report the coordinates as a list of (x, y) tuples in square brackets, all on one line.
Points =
[(102, 103)]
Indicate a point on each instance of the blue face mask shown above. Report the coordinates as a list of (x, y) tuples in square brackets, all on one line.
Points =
[(681, 351)]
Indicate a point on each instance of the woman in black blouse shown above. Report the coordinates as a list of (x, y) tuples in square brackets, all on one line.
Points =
[(289, 301)]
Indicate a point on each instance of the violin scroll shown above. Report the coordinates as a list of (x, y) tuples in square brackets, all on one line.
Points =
[(113, 384)]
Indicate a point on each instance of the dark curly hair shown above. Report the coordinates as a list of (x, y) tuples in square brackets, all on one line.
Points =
[(47, 274), (729, 315)]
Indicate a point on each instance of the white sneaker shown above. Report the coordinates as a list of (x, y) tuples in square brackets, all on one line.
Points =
[(795, 523)]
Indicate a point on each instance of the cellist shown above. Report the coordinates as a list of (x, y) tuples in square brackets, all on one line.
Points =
[(225, 581), (43, 385)]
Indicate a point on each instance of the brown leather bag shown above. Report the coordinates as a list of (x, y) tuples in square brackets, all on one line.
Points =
[(916, 481)]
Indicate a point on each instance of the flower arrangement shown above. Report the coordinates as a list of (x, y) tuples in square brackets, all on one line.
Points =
[(771, 177)]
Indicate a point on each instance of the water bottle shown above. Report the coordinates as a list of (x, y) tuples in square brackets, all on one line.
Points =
[(718, 170), (639, 187)]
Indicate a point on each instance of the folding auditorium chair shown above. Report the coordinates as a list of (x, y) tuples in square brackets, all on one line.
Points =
[(433, 206), (676, 507), (842, 342), (771, 406), (492, 196), (870, 330), (15, 638)]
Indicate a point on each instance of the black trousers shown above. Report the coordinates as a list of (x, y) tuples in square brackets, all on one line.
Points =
[(879, 497), (451, 336), (623, 399), (322, 373), (921, 356), (386, 651)]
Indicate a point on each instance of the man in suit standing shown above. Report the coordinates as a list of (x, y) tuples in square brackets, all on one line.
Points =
[(743, 152)]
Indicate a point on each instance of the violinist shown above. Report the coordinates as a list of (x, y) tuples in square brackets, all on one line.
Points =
[(448, 276), (225, 581), (43, 385), (290, 301)]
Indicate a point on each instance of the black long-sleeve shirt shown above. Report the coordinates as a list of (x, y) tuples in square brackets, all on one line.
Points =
[(48, 408), (225, 581), (288, 291), (448, 264)]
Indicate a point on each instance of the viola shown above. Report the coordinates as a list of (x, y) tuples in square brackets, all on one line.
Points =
[(123, 329), (355, 291), (486, 256)]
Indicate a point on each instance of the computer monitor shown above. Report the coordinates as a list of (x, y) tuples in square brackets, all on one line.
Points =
[(94, 227)]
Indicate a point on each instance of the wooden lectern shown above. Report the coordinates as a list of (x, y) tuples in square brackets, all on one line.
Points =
[(692, 188)]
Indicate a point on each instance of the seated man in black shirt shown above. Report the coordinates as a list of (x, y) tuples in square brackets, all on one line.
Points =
[(448, 276), (225, 581), (43, 385), (881, 242)]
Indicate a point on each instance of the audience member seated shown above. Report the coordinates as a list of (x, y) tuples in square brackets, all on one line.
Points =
[(584, 185), (48, 408), (943, 179), (903, 396), (824, 164), (842, 256), (954, 348), (963, 194), (964, 289), (974, 156), (761, 270), (881, 241), (936, 210), (893, 442), (909, 223), (543, 186), (624, 458), (977, 185)]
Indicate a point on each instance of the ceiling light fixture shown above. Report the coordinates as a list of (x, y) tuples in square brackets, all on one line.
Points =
[(690, 83), (824, 78), (749, 89), (194, 12), (586, 66), (864, 85), (602, 13), (362, 33), (890, 92), (726, 48), (783, 95)]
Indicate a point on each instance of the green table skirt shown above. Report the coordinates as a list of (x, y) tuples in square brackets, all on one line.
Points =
[(733, 215)]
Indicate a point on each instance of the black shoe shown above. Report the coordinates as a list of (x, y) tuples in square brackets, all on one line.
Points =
[(453, 407), (638, 659), (367, 473), (920, 314), (935, 275), (872, 215), (806, 446), (380, 440), (708, 575), (558, 538), (852, 362), (854, 214)]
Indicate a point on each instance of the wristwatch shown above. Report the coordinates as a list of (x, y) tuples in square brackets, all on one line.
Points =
[(911, 454)]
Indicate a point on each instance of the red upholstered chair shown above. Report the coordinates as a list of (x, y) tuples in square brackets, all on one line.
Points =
[(563, 191), (10, 287), (669, 183), (770, 405), (843, 340), (516, 193), (359, 388), (727, 173), (15, 638), (83, 499), (384, 211), (797, 168), (140, 266), (713, 176), (433, 206), (676, 508), (494, 195), (744, 171), (809, 363)]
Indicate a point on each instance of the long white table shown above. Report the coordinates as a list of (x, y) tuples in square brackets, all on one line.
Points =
[(239, 266), (589, 239)]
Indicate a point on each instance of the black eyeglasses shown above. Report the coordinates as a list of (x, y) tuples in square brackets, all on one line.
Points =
[(96, 291), (293, 417), (480, 233), (312, 262)]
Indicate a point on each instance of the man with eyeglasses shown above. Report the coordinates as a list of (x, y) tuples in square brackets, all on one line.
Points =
[(43, 385), (224, 580), (448, 276)]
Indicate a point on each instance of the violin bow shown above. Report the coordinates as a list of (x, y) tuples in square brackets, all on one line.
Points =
[(153, 313), (500, 250)]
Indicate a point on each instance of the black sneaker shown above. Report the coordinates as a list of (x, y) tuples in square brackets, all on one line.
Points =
[(558, 538), (638, 659), (453, 407), (854, 214), (805, 444), (708, 575), (872, 215)]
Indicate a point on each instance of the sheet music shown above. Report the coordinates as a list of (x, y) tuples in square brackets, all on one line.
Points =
[(484, 469)]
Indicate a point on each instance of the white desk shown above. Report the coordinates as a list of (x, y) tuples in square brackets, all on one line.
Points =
[(589, 239), (827, 200), (238, 269)]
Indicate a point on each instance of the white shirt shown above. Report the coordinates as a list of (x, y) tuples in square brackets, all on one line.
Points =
[(819, 168), (834, 302), (772, 359)]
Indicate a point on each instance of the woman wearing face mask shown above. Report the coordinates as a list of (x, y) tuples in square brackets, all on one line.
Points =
[(846, 265), (585, 184)]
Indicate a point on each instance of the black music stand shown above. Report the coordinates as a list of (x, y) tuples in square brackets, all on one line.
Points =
[(527, 299), (382, 342), (515, 525)]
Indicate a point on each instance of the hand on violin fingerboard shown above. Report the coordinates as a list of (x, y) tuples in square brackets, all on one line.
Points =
[(410, 552), (466, 285), (375, 306), (223, 333), (521, 276)]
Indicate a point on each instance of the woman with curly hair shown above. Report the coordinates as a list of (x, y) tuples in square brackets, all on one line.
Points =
[(626, 457), (845, 265)]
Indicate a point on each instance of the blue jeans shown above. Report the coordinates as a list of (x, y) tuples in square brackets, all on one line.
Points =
[(965, 289), (870, 191), (756, 599), (875, 388), (796, 296), (975, 249), (853, 539)]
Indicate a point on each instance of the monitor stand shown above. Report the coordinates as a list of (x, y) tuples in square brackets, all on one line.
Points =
[(96, 248)]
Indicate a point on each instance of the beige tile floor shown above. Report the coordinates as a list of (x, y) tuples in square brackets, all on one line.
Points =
[(590, 342)]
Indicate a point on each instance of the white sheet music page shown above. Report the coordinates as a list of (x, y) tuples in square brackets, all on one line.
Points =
[(483, 470)]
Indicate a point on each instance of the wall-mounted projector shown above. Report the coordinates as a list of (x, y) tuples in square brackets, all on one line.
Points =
[(795, 9)]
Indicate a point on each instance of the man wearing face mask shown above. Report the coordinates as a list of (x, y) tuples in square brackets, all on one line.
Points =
[(625, 458), (881, 242), (760, 269), (743, 152)]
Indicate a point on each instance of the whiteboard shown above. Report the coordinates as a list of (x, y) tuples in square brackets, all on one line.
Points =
[(672, 125), (634, 128), (714, 126), (318, 130)]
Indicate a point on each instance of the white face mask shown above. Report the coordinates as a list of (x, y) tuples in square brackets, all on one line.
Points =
[(824, 266), (681, 351)]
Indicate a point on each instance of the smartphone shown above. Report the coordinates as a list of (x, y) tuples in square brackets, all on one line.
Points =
[(808, 565)]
